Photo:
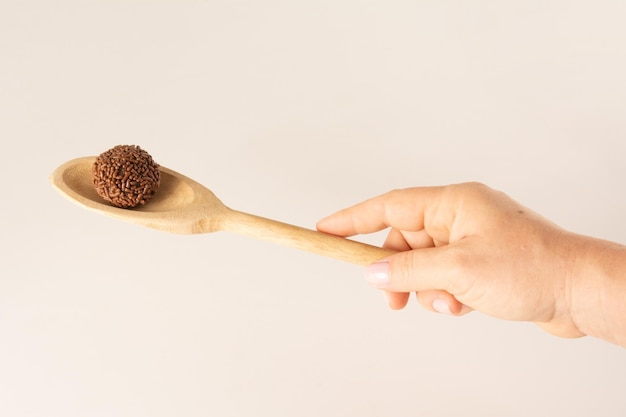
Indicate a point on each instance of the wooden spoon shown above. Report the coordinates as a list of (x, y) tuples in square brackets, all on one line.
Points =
[(181, 205)]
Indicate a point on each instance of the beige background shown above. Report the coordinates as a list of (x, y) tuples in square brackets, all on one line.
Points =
[(292, 110)]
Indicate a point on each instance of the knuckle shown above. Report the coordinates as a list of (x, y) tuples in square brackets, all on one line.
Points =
[(475, 189), (460, 263)]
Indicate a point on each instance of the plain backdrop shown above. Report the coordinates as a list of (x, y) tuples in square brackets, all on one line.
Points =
[(292, 110)]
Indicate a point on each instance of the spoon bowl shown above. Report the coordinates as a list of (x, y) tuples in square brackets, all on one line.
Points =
[(182, 205)]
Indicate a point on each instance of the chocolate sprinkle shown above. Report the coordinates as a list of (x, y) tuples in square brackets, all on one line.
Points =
[(126, 176)]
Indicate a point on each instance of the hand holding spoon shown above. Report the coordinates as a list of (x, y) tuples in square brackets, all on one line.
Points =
[(182, 205)]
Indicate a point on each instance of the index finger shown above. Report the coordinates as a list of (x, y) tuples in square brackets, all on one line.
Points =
[(409, 209)]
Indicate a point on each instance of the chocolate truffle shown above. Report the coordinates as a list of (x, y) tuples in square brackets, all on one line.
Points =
[(126, 176)]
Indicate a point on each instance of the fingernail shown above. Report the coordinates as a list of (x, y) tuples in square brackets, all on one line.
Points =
[(377, 274), (441, 306)]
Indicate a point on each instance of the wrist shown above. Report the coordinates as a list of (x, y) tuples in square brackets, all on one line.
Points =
[(596, 288)]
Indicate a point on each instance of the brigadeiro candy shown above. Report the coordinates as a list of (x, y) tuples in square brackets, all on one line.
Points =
[(126, 176)]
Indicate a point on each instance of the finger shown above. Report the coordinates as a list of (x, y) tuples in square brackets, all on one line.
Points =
[(403, 209), (397, 300), (438, 301), (434, 300), (397, 241), (401, 241), (442, 268)]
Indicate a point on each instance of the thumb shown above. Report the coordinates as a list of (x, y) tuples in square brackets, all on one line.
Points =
[(416, 270)]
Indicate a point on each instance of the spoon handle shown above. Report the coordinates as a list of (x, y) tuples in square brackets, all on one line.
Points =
[(302, 238)]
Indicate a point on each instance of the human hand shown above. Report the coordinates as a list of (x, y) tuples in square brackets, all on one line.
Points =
[(464, 247)]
